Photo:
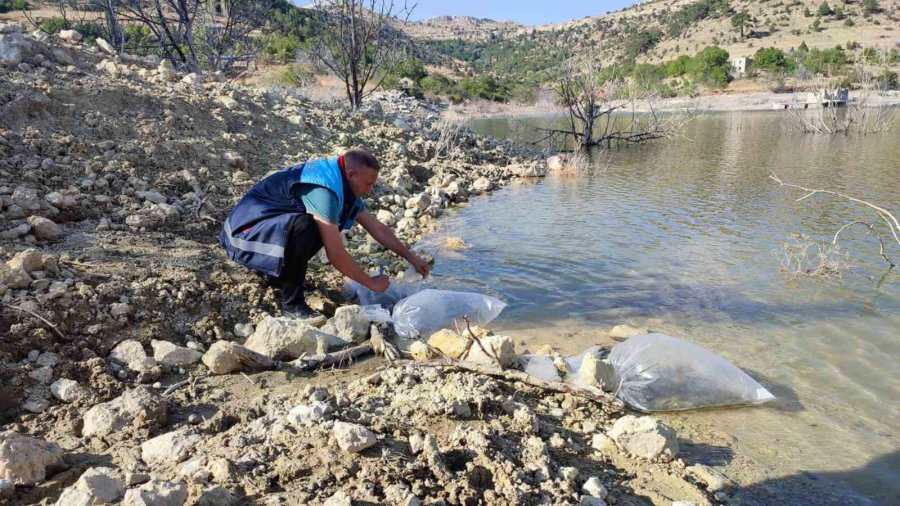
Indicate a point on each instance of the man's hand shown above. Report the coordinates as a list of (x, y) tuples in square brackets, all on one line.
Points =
[(379, 283), (420, 265)]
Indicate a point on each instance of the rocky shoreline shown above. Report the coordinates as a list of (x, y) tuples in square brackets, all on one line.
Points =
[(121, 315)]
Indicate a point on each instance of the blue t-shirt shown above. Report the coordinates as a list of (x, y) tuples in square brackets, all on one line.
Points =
[(322, 202)]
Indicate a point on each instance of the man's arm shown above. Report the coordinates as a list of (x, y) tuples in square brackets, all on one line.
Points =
[(384, 235), (342, 261)]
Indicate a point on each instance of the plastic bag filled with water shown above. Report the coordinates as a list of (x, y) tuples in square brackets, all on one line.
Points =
[(395, 293), (656, 372), (428, 311)]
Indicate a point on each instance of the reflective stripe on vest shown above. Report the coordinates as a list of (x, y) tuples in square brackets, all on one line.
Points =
[(272, 250)]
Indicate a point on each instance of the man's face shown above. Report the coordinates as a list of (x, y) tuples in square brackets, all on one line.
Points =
[(362, 180)]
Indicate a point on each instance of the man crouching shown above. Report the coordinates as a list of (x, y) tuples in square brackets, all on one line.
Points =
[(286, 218)]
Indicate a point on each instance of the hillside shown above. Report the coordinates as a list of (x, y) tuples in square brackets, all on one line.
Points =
[(660, 31), (461, 27)]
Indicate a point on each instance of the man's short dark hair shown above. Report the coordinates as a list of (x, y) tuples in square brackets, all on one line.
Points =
[(360, 157)]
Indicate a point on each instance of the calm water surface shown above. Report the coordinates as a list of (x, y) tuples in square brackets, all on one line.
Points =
[(679, 236)]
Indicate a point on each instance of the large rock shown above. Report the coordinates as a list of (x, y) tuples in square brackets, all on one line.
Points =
[(12, 47), (349, 323), (26, 198), (75, 497), (173, 355), (157, 493), (221, 358), (217, 496), (597, 372), (29, 260), (102, 484), (70, 35), (68, 390), (61, 201), (135, 409), (482, 184), (528, 170), (714, 480), (353, 438), (419, 202), (44, 229), (386, 217), (128, 352), (14, 277), (105, 46), (500, 351), (169, 448), (645, 437), (307, 415), (449, 343), (24, 460), (286, 338), (556, 163)]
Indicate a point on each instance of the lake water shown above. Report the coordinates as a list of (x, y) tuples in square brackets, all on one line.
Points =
[(678, 236)]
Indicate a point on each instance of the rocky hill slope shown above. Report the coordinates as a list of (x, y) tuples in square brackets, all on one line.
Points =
[(660, 31)]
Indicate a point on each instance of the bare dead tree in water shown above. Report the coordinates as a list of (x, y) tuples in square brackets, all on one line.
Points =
[(828, 254), (609, 112), (859, 115), (359, 43)]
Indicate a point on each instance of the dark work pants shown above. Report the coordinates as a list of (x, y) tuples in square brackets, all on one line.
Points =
[(303, 243)]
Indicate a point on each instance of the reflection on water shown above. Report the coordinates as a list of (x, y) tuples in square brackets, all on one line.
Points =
[(679, 236)]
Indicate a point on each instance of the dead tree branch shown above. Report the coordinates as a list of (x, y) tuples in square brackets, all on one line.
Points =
[(889, 219)]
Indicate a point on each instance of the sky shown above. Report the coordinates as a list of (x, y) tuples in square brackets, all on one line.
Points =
[(527, 12)]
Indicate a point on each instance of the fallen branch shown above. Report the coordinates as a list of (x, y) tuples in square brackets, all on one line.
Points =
[(39, 317), (338, 359), (891, 221), (251, 358), (593, 394), (167, 392)]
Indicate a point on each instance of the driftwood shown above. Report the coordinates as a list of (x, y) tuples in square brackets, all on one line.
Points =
[(251, 358), (593, 394), (337, 359)]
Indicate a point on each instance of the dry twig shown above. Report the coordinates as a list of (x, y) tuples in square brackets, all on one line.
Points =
[(39, 317)]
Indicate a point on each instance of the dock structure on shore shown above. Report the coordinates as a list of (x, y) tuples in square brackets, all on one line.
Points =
[(834, 97)]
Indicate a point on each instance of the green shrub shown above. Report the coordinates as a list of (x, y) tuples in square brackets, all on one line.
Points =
[(13, 5), (281, 48), (888, 80), (90, 31), (710, 67), (824, 9), (139, 40), (770, 58), (640, 42), (678, 67), (54, 25), (870, 6), (411, 68)]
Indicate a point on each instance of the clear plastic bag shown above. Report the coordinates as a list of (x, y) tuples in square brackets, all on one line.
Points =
[(388, 298), (656, 372), (428, 311), (539, 366)]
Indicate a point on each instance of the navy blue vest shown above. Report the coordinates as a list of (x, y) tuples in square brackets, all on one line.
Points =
[(255, 232)]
